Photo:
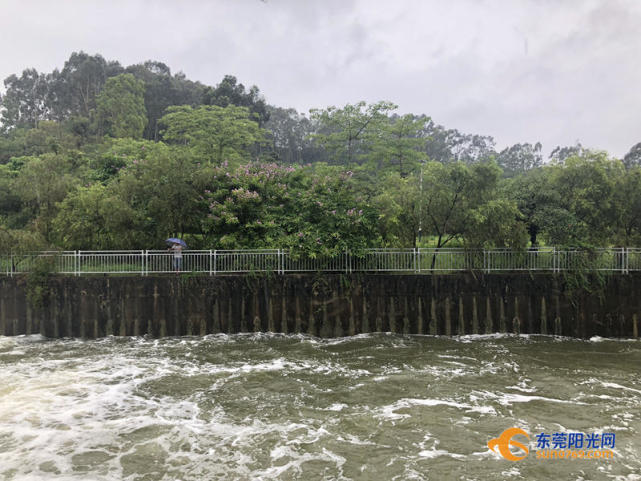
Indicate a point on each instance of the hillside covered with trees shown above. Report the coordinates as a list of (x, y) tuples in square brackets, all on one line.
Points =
[(101, 156)]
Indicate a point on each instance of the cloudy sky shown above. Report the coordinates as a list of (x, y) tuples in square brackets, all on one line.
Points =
[(522, 71)]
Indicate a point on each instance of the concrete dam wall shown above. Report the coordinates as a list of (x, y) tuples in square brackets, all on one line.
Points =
[(324, 305)]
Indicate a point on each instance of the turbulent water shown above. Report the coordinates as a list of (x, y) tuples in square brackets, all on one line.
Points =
[(294, 407)]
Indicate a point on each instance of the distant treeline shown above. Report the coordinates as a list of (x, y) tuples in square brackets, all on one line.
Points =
[(101, 156)]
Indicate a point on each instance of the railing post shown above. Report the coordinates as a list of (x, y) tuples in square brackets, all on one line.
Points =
[(77, 264), (486, 262), (11, 265), (211, 262), (280, 262), (624, 254), (215, 266), (627, 259)]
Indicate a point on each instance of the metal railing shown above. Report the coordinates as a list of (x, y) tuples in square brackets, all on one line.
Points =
[(424, 260)]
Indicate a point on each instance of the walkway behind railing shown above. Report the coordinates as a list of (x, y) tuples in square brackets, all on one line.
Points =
[(424, 261)]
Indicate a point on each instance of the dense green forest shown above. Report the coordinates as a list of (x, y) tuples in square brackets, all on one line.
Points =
[(101, 156)]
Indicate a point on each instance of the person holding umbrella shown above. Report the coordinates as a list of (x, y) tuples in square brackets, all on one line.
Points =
[(176, 246)]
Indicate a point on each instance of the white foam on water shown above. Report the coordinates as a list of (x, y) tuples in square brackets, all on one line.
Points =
[(467, 338), (507, 399), (336, 369), (281, 451), (13, 352), (296, 462), (54, 414), (444, 371), (351, 439), (614, 385), (611, 339), (511, 472), (389, 411), (522, 386), (486, 454), (355, 386), (435, 453), (64, 409), (341, 340), (337, 407), (448, 356), (456, 363)]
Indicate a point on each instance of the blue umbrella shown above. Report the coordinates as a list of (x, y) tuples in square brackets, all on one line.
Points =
[(174, 240)]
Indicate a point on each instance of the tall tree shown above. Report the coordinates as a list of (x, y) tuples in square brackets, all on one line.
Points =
[(520, 158), (94, 217), (535, 195), (399, 144), (448, 202), (399, 206), (627, 207), (449, 145), (559, 154), (290, 136), (159, 186), (41, 184), (348, 131), (633, 157), (25, 102), (121, 107), (586, 211), (217, 133), (74, 89), (163, 90), (230, 92)]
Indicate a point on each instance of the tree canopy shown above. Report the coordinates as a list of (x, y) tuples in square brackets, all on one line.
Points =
[(100, 156), (120, 108)]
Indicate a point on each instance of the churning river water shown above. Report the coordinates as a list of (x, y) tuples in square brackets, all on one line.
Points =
[(370, 407)]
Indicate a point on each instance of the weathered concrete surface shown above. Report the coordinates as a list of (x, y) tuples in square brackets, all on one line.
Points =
[(324, 305)]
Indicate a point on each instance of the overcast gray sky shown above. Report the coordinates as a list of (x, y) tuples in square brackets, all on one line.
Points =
[(521, 71)]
